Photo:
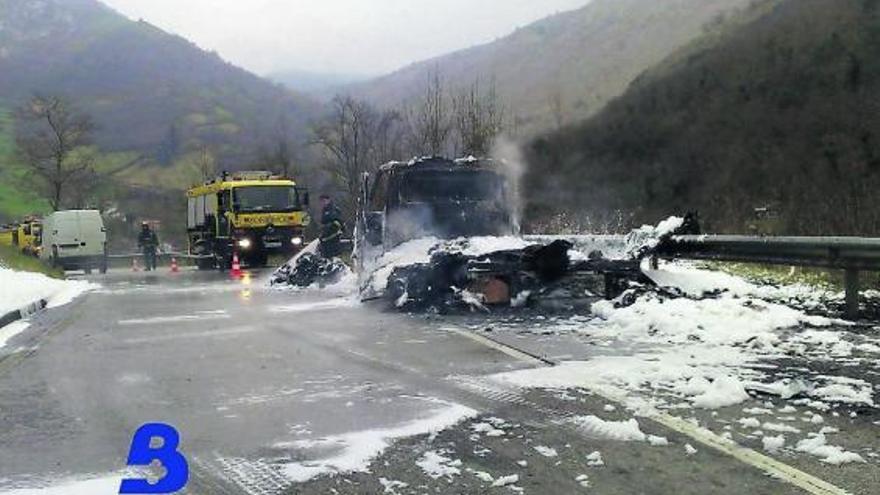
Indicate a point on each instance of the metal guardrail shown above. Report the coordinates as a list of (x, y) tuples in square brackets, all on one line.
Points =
[(850, 254), (843, 253)]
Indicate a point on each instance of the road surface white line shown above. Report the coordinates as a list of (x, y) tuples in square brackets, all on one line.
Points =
[(175, 319), (780, 470), (193, 335)]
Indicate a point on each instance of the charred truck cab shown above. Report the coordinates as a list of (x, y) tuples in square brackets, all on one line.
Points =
[(255, 214), (434, 197)]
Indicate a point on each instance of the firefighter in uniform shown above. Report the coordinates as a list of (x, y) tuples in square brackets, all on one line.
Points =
[(149, 243), (332, 228)]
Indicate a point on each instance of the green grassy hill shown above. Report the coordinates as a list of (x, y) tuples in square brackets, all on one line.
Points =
[(15, 200)]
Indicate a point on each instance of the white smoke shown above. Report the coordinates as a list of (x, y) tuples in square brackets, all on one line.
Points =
[(513, 166)]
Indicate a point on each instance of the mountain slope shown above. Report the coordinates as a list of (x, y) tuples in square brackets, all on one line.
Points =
[(566, 66), (147, 89), (779, 112)]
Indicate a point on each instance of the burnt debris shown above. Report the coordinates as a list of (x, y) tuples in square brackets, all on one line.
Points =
[(542, 276), (309, 269)]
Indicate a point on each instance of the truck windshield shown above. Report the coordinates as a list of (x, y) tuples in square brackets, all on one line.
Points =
[(265, 198), (432, 186)]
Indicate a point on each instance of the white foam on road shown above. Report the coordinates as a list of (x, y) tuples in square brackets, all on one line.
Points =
[(11, 330), (353, 452), (341, 302), (18, 289), (98, 485), (437, 465), (818, 446)]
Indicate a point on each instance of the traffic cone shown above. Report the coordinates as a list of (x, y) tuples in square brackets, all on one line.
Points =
[(174, 267), (236, 267), (134, 265)]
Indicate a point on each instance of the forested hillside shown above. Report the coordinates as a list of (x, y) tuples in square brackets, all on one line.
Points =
[(164, 108), (567, 66), (781, 112), (149, 90)]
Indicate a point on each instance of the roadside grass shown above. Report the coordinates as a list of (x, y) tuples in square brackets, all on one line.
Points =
[(821, 278), (11, 257), (15, 201)]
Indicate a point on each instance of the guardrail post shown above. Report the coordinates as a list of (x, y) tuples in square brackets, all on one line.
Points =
[(851, 285)]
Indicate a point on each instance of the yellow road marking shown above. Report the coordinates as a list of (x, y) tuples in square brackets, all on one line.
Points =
[(779, 470)]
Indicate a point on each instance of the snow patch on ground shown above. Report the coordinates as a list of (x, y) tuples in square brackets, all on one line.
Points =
[(353, 452), (437, 465), (506, 480), (487, 429), (773, 444), (107, 484), (18, 289), (391, 486), (11, 330), (594, 459), (817, 445), (622, 431), (656, 350), (722, 392), (546, 451), (845, 390)]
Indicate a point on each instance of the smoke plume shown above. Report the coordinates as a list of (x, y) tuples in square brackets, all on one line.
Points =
[(513, 166)]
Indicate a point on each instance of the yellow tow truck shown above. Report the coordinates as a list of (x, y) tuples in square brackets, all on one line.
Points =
[(254, 214)]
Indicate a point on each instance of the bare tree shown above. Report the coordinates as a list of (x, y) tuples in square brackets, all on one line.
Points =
[(479, 118), (206, 163), (356, 138), (429, 119), (50, 140), (282, 155), (389, 137), (346, 138)]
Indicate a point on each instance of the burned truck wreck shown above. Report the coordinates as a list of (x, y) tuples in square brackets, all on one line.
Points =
[(440, 234), (434, 197)]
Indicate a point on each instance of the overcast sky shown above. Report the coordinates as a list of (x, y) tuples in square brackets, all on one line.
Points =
[(338, 36)]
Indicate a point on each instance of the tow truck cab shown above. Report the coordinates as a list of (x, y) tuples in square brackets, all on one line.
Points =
[(434, 197)]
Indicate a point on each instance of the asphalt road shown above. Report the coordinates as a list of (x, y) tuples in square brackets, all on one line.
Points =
[(274, 392)]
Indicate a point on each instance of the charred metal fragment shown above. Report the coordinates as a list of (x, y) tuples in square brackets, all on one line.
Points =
[(540, 275)]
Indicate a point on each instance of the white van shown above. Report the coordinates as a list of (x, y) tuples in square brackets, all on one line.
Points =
[(75, 240)]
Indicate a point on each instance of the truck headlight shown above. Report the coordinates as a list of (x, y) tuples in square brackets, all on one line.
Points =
[(297, 241), (244, 243)]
